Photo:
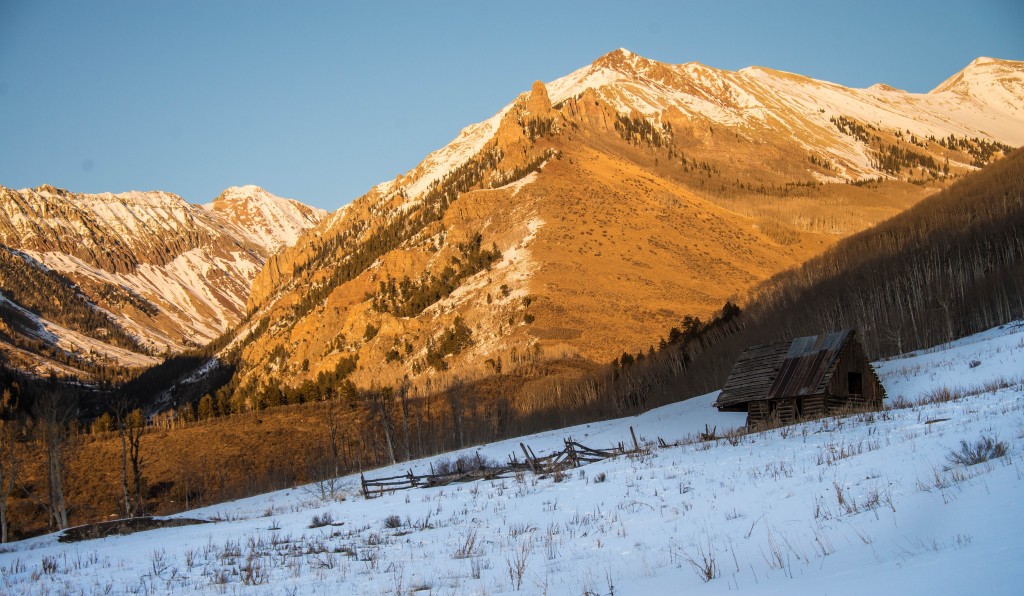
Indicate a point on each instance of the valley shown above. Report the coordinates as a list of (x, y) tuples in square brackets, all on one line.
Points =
[(602, 246)]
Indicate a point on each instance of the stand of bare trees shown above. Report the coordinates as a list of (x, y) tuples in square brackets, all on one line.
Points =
[(12, 428), (951, 266), (54, 412)]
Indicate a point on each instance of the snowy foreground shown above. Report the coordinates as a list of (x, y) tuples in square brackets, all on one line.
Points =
[(865, 504)]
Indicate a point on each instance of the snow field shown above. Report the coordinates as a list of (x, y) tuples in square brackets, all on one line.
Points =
[(868, 502)]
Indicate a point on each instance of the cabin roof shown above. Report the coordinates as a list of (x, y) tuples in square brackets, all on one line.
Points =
[(792, 368)]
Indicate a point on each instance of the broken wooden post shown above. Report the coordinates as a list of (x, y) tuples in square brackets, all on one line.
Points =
[(570, 453), (636, 445), (362, 480), (534, 456), (529, 460)]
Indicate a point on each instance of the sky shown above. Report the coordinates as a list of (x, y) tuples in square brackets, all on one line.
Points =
[(319, 101)]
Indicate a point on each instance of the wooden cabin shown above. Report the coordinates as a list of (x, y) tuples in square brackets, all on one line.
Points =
[(807, 377)]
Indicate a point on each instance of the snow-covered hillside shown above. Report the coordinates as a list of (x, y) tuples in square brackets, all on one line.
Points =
[(868, 503)]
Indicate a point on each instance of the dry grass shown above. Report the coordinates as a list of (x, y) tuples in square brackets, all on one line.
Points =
[(982, 450)]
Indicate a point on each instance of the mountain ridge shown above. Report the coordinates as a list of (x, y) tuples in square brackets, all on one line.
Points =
[(171, 274), (720, 180), (606, 70)]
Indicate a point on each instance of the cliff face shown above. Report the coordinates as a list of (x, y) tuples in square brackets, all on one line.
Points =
[(167, 274), (594, 212)]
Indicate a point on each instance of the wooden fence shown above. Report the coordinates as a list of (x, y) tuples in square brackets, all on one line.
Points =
[(573, 455)]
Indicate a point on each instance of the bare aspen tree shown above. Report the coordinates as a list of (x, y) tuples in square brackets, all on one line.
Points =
[(130, 424), (455, 395), (54, 410), (378, 400), (403, 400), (136, 428), (326, 470), (335, 436), (11, 427)]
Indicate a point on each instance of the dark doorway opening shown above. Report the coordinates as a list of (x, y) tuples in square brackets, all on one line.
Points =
[(855, 383)]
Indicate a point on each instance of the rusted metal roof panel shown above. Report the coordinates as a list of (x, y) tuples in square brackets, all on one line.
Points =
[(798, 367), (807, 362)]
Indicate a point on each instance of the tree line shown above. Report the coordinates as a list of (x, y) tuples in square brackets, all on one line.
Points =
[(408, 298), (948, 267)]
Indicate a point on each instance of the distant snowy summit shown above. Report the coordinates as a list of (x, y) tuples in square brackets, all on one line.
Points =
[(267, 220), (171, 274)]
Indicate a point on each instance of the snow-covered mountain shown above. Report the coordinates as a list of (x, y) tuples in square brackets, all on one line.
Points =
[(884, 502), (266, 220), (170, 274), (622, 197), (985, 100)]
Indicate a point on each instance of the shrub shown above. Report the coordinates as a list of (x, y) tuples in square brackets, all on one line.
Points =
[(464, 463), (982, 450), (392, 522), (321, 520), (475, 461)]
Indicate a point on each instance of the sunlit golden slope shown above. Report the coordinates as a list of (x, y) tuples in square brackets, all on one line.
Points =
[(621, 198)]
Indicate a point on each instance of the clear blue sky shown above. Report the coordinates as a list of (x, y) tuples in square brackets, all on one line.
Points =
[(320, 101)]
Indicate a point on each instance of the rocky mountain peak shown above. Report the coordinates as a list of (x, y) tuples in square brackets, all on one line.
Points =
[(268, 220), (48, 189), (645, 169), (986, 73), (538, 104), (620, 59), (246, 192)]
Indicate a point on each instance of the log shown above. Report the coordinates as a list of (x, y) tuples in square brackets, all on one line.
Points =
[(383, 483)]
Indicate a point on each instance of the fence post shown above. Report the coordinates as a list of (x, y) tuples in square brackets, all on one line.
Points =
[(362, 480), (570, 453), (529, 460), (636, 445), (533, 455)]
